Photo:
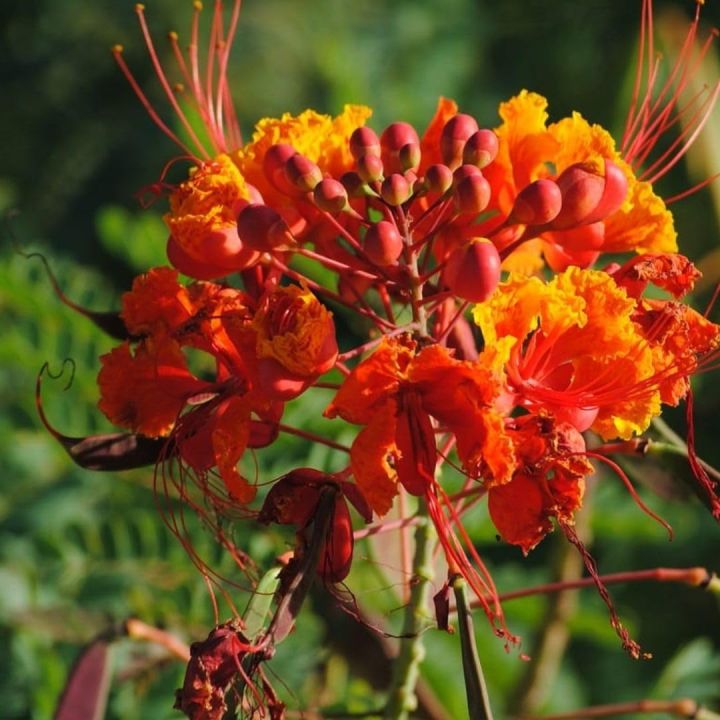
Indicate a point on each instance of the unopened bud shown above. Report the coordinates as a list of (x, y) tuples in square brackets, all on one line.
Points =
[(392, 140), (438, 178), (302, 172), (364, 141), (262, 228), (383, 243), (472, 271), (536, 204), (472, 194), (274, 167), (354, 184), (410, 156), (395, 190), (454, 135), (589, 196), (481, 148), (330, 195), (370, 168), (465, 171)]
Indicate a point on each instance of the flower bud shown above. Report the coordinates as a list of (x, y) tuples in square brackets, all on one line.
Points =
[(472, 271), (364, 141), (536, 204), (438, 178), (302, 173), (588, 196), (330, 195), (395, 190), (274, 167), (383, 243), (410, 156), (481, 148), (370, 168), (463, 172), (472, 194), (354, 184), (392, 140), (454, 135), (262, 228)]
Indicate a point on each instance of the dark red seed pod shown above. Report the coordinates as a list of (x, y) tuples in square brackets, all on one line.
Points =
[(383, 243), (370, 168), (536, 204), (438, 178), (472, 194), (302, 173), (274, 167), (454, 135), (337, 551), (364, 141), (472, 271), (262, 228), (395, 190), (481, 148), (330, 195), (392, 140)]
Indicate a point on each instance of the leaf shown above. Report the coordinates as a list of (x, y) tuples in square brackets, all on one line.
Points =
[(260, 601), (86, 691)]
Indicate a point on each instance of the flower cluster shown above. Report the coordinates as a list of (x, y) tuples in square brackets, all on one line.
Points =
[(499, 276)]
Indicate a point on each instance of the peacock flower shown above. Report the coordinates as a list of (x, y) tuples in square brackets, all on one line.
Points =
[(202, 221), (144, 389), (549, 481), (585, 352), (322, 139), (295, 341)]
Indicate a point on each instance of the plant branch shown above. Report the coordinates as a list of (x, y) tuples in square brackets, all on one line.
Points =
[(402, 699), (684, 708)]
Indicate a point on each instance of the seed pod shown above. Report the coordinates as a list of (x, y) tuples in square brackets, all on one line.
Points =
[(330, 195), (536, 204), (383, 243), (454, 135), (472, 271), (481, 148)]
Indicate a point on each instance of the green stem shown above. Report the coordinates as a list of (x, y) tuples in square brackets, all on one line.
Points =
[(475, 688), (406, 669)]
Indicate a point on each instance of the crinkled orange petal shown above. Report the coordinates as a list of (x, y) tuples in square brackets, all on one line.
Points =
[(371, 382), (517, 510), (229, 440), (372, 458), (156, 302), (430, 141), (145, 391)]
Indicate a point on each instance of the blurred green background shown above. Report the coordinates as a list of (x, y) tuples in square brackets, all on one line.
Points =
[(80, 550)]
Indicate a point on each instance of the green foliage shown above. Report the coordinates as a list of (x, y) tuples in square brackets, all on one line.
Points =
[(80, 550)]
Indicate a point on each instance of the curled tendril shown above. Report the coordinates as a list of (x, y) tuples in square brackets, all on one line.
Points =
[(45, 370)]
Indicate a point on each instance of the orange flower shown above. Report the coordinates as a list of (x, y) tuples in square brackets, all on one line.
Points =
[(146, 390), (320, 138), (580, 349), (295, 341), (549, 481)]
